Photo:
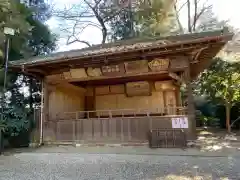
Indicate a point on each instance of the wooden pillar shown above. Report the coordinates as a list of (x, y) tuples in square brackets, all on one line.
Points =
[(165, 110), (178, 98), (44, 109), (46, 101), (90, 100), (41, 115), (190, 104)]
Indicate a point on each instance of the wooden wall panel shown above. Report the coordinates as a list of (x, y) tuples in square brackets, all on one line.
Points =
[(164, 85), (171, 101), (140, 88), (65, 100), (117, 89), (102, 90), (131, 104), (105, 102)]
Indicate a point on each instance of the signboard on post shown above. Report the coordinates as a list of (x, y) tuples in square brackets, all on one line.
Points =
[(180, 123)]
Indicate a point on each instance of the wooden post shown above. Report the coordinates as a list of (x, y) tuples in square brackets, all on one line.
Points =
[(178, 100), (129, 130), (93, 133), (42, 113), (74, 129), (90, 100), (77, 127), (190, 105), (122, 135), (44, 108), (58, 137), (165, 103)]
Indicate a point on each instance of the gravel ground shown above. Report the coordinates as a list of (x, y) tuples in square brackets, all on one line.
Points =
[(66, 166)]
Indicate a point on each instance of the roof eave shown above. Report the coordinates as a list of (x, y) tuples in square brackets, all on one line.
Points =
[(52, 60)]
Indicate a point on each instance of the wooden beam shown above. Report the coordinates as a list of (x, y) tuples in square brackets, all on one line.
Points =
[(176, 77), (66, 86), (195, 59), (36, 71), (33, 74), (116, 77)]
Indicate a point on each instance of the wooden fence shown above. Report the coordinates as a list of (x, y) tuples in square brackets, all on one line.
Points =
[(167, 111), (102, 129)]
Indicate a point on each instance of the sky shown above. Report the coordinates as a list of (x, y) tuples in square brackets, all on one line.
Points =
[(224, 10)]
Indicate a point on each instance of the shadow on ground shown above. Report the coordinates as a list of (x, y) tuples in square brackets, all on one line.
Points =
[(211, 140)]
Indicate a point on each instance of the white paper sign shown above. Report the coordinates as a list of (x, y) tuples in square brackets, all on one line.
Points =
[(175, 123), (180, 123), (184, 122)]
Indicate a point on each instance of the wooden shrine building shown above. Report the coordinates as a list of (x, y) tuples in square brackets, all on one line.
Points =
[(119, 91)]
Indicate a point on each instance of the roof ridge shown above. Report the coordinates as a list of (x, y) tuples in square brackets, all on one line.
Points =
[(139, 42)]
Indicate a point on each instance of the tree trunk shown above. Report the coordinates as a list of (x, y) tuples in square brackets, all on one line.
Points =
[(189, 16), (228, 120), (195, 15)]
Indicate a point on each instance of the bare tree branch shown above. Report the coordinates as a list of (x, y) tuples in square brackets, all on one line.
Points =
[(100, 19), (181, 7), (197, 16), (192, 21), (84, 15), (79, 41), (178, 19)]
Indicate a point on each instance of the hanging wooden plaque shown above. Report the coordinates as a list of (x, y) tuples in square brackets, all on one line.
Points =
[(141, 88), (113, 70), (78, 73), (94, 72), (135, 67), (67, 75), (177, 63), (157, 65)]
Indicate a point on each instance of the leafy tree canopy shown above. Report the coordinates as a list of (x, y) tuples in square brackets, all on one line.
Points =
[(33, 38), (145, 19), (155, 18), (13, 15), (221, 83)]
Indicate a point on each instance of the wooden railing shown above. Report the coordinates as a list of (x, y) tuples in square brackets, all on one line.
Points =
[(116, 129), (158, 112)]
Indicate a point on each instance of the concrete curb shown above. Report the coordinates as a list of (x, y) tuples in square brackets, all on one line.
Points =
[(137, 150), (110, 145)]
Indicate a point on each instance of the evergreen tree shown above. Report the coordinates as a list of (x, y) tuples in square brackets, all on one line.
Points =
[(148, 18), (37, 40)]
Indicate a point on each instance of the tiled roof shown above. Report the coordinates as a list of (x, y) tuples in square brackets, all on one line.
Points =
[(119, 47)]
